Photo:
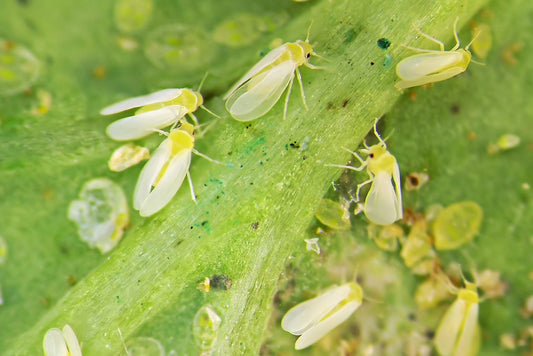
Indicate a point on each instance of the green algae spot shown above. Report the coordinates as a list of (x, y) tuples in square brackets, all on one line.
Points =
[(456, 225), (179, 47), (383, 43), (145, 346), (132, 15), (19, 68), (333, 215), (387, 61), (349, 35)]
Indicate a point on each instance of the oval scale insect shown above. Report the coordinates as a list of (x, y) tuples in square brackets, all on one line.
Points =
[(383, 203), (433, 65), (262, 86)]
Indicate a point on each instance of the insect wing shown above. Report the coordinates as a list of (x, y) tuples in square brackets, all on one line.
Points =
[(318, 331), (381, 203), (421, 65), (267, 60), (257, 96), (304, 315), (54, 343), (72, 341), (398, 187), (138, 101), (169, 184), (449, 328), (137, 126), (469, 338), (150, 172)]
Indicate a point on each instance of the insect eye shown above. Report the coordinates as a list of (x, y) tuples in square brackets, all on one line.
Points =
[(371, 155), (308, 55)]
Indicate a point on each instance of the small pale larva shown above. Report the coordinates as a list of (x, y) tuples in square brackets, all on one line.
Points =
[(432, 66)]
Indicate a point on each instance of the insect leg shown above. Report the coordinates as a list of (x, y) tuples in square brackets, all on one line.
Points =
[(299, 76), (287, 98), (209, 111), (356, 155), (196, 152), (357, 169), (193, 195), (431, 38), (359, 186), (194, 119), (457, 42)]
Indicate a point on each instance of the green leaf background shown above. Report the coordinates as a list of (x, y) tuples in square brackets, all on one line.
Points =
[(251, 219)]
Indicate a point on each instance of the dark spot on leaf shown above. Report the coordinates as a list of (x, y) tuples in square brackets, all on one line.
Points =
[(345, 102), (455, 109), (350, 35), (221, 282), (255, 225), (294, 145), (383, 43), (371, 63), (71, 280), (413, 179)]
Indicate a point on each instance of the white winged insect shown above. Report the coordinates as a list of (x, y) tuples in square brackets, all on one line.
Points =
[(156, 111), (383, 203), (314, 318), (458, 333), (432, 66), (164, 173), (58, 342), (261, 87)]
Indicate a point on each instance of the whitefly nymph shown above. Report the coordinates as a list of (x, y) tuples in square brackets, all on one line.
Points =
[(316, 317), (432, 66), (261, 87), (383, 203), (156, 111)]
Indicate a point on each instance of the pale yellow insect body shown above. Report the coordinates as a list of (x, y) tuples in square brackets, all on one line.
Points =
[(458, 333), (432, 66), (163, 174), (261, 87), (383, 203), (316, 317), (156, 111)]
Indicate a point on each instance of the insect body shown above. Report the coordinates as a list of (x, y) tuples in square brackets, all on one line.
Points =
[(432, 66), (314, 318), (383, 203), (261, 87), (157, 110), (163, 174), (61, 342), (458, 332)]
